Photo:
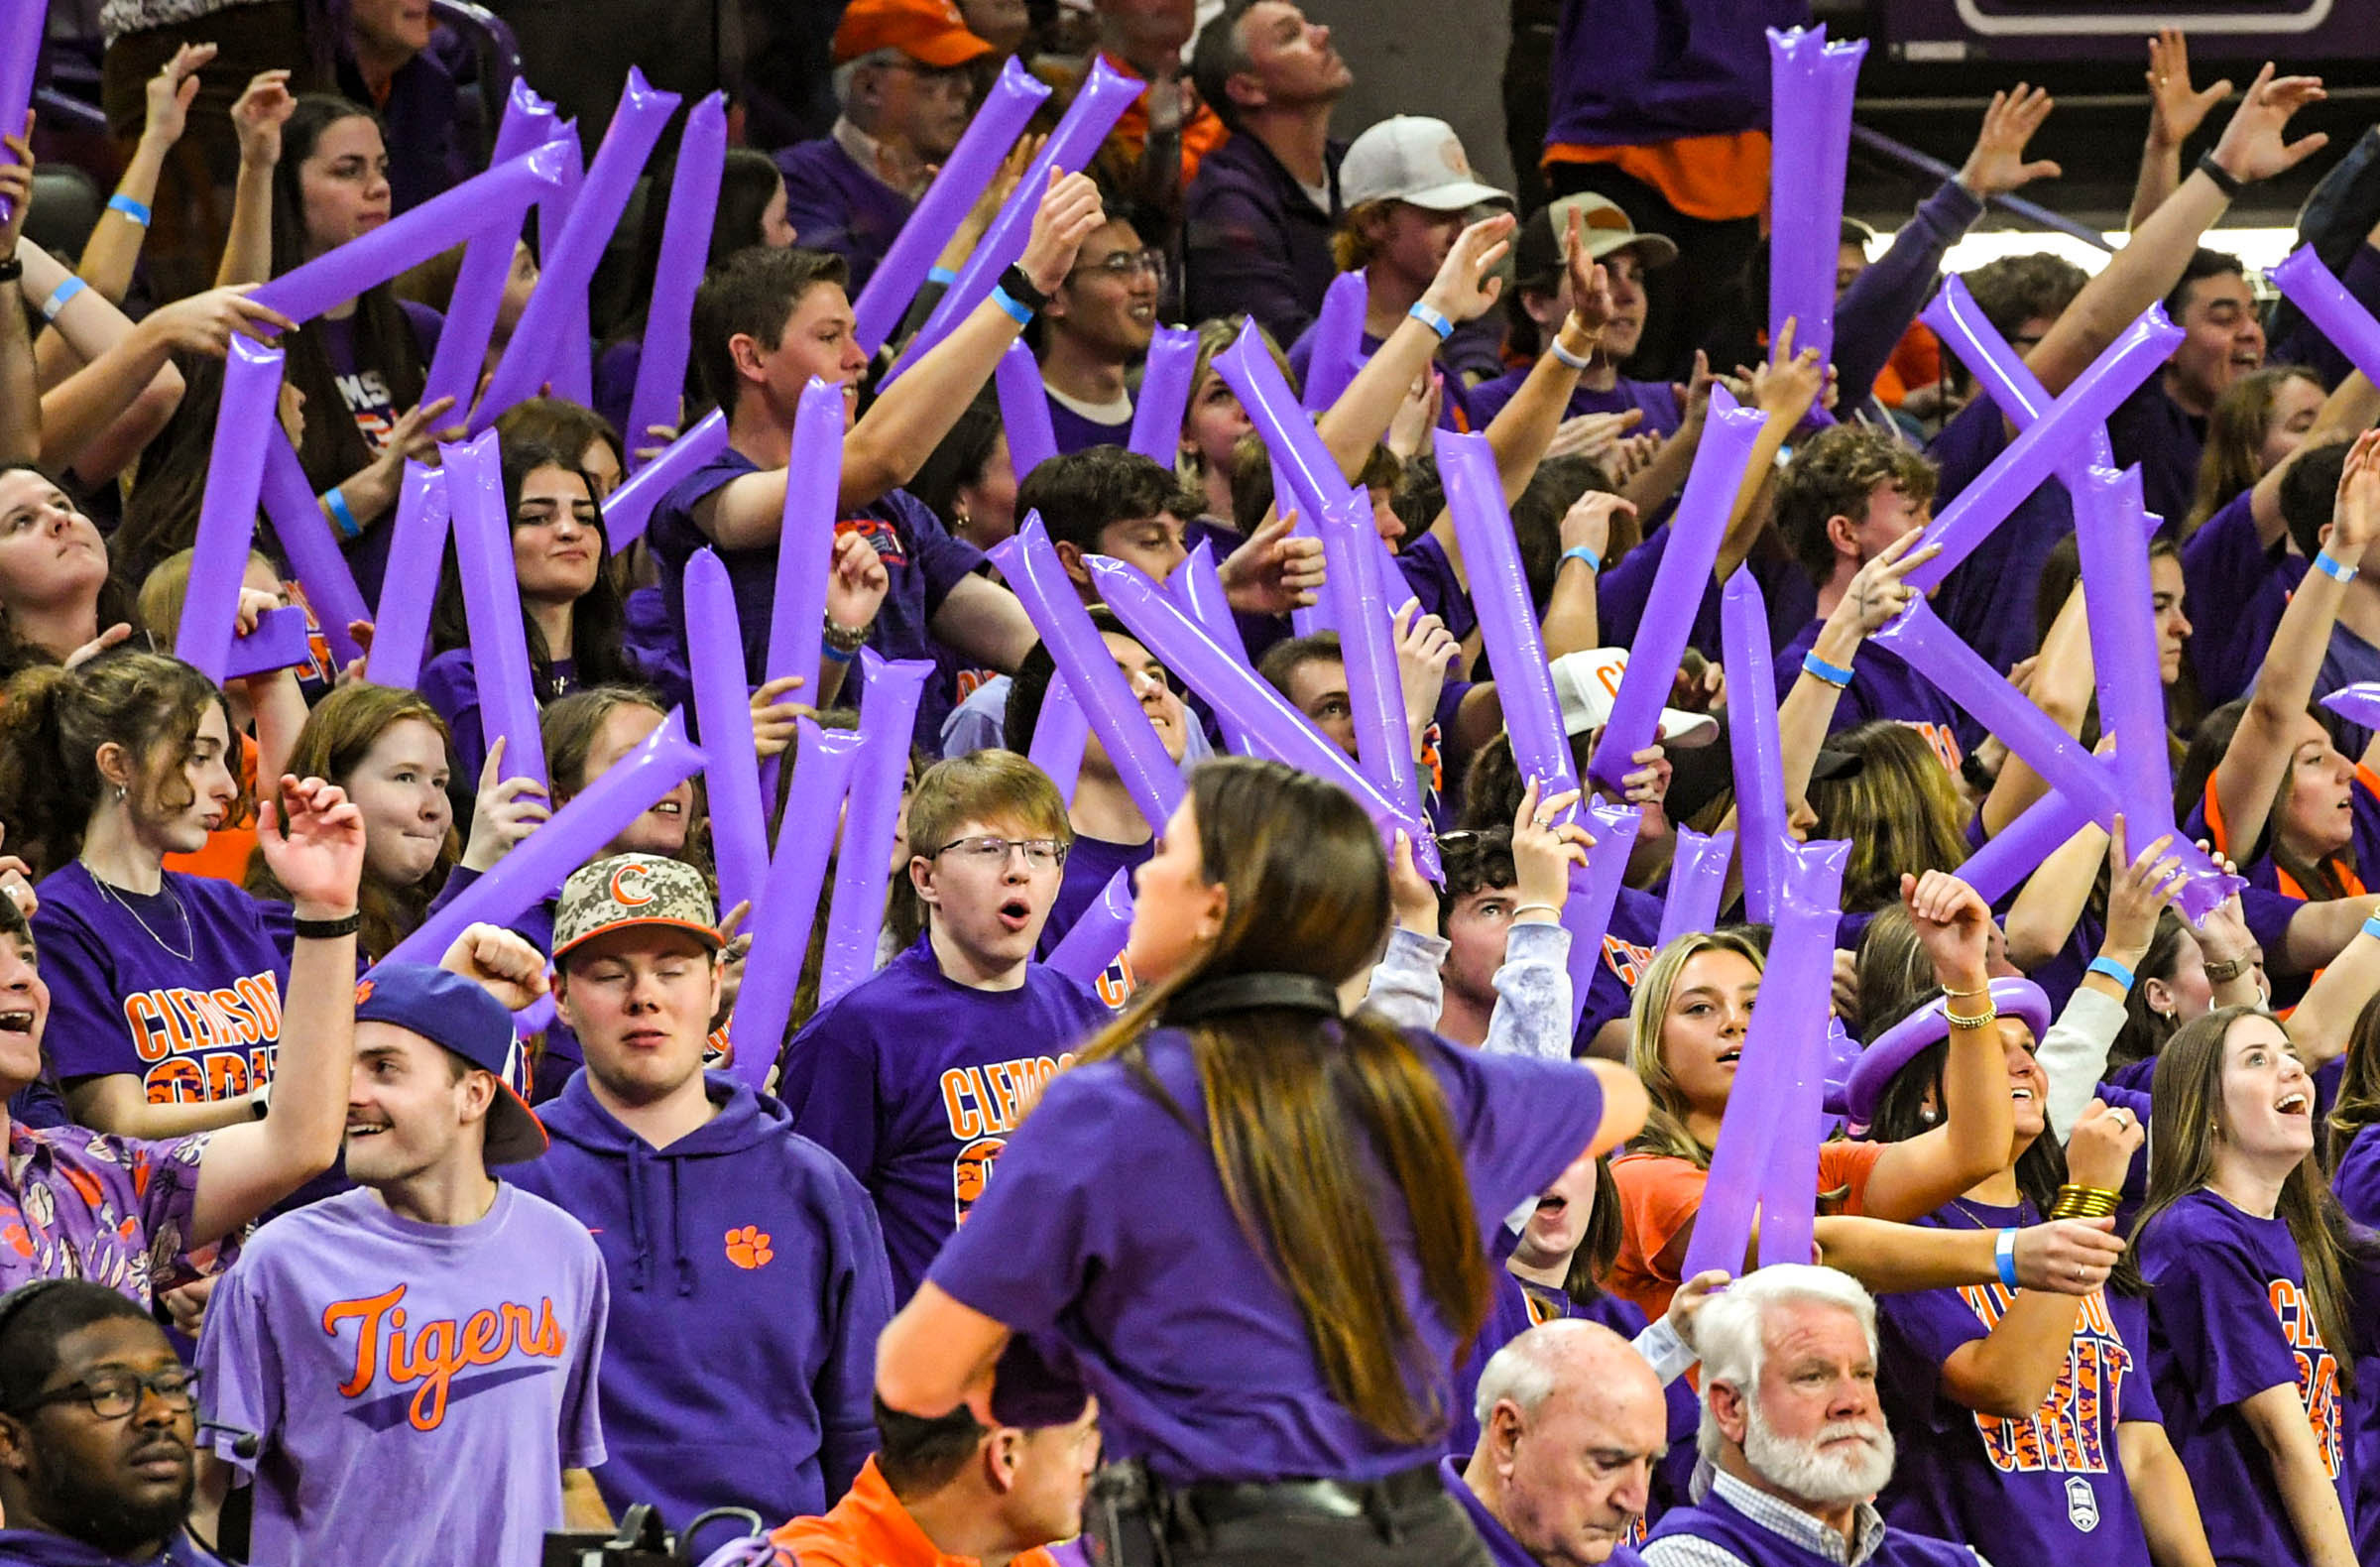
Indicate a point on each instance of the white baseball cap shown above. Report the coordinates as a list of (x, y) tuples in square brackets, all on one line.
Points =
[(1587, 681), (1413, 160)]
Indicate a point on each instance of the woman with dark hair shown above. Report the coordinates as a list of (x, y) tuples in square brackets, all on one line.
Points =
[(59, 599), (1327, 1184), (314, 174), (750, 211), (570, 608), (2259, 1294)]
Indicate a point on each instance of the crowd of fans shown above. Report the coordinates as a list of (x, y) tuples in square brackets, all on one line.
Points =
[(1327, 1221)]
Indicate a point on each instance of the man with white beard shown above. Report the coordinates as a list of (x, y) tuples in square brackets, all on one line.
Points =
[(1793, 1433)]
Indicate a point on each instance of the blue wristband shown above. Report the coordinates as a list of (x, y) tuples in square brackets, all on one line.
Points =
[(1433, 321), (2004, 1254), (336, 503), (2332, 567), (1016, 311), (2113, 969), (941, 275), (132, 209), (1594, 562), (2371, 926), (833, 654), (1833, 675), (58, 302)]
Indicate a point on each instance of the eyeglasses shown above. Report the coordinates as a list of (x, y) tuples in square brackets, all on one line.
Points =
[(1123, 262), (1040, 854), (114, 1394), (944, 77)]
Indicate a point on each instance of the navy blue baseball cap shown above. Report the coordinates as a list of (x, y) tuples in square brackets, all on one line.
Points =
[(457, 1015)]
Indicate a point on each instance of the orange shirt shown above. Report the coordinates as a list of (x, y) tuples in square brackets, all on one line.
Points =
[(871, 1528), (228, 848), (1202, 132), (1714, 177), (1659, 1195)]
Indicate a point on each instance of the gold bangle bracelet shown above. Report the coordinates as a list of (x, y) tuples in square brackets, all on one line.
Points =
[(1983, 989), (1985, 1021)]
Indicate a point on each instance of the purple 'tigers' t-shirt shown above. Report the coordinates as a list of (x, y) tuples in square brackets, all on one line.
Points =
[(181, 988), (2229, 1317), (1109, 1229), (2035, 1489), (419, 1388), (916, 1082), (922, 559)]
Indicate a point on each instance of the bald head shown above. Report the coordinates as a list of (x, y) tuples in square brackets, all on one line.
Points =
[(1570, 1423)]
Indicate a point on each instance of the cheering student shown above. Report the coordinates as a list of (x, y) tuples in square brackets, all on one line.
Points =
[(432, 1324), (387, 748), (140, 1215), (2259, 1295), (768, 323), (916, 1077), (741, 1255), (169, 984), (2028, 1424), (97, 1428), (1279, 1330), (1096, 327), (59, 599)]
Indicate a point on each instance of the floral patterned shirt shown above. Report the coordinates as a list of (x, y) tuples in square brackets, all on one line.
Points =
[(81, 1204)]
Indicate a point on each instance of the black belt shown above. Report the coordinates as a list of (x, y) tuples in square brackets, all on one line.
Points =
[(1219, 1503)]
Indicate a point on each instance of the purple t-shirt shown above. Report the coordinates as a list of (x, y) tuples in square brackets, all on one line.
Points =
[(353, 1341), (365, 397), (1468, 349), (40, 1549), (124, 999), (1074, 431), (1109, 1229), (1988, 600), (2151, 428), (1629, 943), (2358, 1181), (916, 1082), (836, 205), (1657, 401), (1430, 577), (2229, 1317), (922, 559), (81, 1204), (2235, 590), (2035, 1489), (1623, 592), (449, 684), (1884, 685), (1090, 865)]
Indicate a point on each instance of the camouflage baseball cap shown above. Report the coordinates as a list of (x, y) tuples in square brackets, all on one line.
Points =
[(633, 889)]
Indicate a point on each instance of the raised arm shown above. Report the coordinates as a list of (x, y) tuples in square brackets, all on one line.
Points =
[(114, 247), (2253, 147), (1784, 390), (2261, 749), (1979, 1121), (313, 838), (256, 119), (19, 381), (100, 416), (2175, 111), (1465, 288), (1876, 596), (1572, 620)]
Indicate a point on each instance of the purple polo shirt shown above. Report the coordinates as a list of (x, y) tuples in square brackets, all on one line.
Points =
[(836, 205), (1109, 1229), (2235, 590), (1256, 242)]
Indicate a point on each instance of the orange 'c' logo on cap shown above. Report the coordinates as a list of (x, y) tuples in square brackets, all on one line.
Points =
[(635, 896), (363, 992)]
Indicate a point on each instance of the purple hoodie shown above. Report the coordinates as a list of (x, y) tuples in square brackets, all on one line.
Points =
[(748, 1285), (40, 1548)]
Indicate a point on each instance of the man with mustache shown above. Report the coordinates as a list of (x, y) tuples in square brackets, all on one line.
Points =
[(97, 1422), (1793, 1433)]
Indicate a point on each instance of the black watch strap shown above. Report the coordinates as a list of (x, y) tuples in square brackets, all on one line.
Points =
[(1017, 286), (2225, 180), (327, 929), (12, 269)]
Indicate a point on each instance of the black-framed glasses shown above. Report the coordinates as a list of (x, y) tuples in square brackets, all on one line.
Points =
[(1123, 262), (1040, 854), (113, 1395)]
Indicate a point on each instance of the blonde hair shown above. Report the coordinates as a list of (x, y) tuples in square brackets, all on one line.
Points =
[(1900, 811), (166, 586), (1665, 1123)]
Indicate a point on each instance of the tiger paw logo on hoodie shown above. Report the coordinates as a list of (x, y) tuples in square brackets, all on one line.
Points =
[(748, 1247)]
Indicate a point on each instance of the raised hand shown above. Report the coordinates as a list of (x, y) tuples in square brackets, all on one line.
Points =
[(205, 323), (1410, 894), (2098, 1151), (257, 116), (1954, 926), (2138, 890), (313, 838), (773, 719), (2253, 146), (1543, 853), (16, 184), (856, 582), (1996, 165), (1069, 213), (1879, 590), (2175, 110), (169, 93), (1595, 436), (1424, 648), (1466, 285), (1786, 386), (506, 811), (2355, 512), (499, 961), (1590, 306), (1274, 571), (1588, 523)]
